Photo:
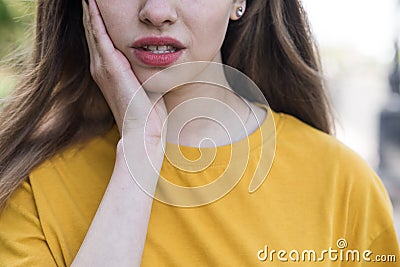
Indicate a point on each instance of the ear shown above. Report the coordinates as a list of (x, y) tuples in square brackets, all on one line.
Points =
[(236, 5)]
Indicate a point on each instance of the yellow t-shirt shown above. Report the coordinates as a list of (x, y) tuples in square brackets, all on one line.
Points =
[(318, 195)]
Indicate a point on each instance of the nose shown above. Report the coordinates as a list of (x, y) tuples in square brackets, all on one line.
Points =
[(158, 12)]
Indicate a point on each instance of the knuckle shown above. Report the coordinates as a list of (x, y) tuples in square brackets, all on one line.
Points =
[(92, 70), (96, 72), (102, 71), (108, 71), (96, 36)]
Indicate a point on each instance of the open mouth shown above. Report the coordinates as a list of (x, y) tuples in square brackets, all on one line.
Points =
[(158, 45), (159, 49)]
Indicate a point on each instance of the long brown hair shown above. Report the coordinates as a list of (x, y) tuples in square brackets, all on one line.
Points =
[(273, 45), (58, 104)]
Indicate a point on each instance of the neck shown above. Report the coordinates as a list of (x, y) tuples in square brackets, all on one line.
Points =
[(203, 111)]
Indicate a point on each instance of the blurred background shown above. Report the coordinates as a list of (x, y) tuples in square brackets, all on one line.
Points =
[(16, 30), (357, 40)]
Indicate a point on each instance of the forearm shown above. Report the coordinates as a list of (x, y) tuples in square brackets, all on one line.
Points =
[(118, 231)]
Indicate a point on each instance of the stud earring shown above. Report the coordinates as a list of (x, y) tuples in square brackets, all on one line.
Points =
[(239, 12)]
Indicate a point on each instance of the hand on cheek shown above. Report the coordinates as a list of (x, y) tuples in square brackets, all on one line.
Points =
[(111, 70)]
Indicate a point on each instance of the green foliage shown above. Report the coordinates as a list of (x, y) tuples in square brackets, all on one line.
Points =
[(5, 17), (16, 24), (16, 17), (7, 81)]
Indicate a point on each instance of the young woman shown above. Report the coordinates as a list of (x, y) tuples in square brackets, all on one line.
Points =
[(67, 193)]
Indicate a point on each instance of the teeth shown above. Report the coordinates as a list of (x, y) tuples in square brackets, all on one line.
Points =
[(161, 49)]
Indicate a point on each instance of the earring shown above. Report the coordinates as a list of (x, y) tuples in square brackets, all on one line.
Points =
[(239, 12)]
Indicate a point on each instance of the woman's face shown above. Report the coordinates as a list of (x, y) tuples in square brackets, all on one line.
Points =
[(155, 34)]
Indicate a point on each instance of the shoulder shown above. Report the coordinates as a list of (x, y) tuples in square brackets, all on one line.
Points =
[(76, 176), (77, 169), (319, 164), (316, 149), (62, 194), (318, 152)]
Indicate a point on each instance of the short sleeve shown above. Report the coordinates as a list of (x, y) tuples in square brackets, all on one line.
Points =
[(370, 223), (385, 248), (22, 242)]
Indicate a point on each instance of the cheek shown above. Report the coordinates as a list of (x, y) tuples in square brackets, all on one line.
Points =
[(116, 18), (209, 29)]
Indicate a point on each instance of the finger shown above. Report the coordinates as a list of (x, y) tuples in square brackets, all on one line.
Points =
[(98, 31), (86, 25), (106, 57)]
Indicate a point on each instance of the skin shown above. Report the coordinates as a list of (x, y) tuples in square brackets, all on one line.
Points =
[(119, 75), (200, 28)]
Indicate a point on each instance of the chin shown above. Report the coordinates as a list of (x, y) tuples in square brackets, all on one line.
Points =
[(152, 80), (162, 80)]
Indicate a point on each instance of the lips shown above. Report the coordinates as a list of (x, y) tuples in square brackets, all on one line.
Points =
[(158, 51)]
